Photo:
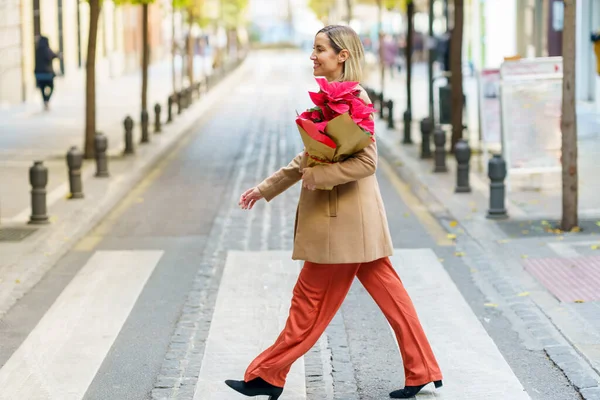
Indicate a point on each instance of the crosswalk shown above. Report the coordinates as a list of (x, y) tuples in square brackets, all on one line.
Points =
[(62, 355)]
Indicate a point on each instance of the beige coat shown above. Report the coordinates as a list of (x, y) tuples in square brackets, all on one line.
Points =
[(345, 225)]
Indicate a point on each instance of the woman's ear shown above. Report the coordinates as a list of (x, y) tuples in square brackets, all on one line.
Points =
[(343, 56)]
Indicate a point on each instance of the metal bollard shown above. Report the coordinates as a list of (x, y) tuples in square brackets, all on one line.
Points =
[(390, 106), (439, 139), (170, 109), (407, 127), (179, 101), (74, 162), (157, 128), (497, 174), (128, 123), (462, 152), (206, 84), (38, 177), (188, 93), (145, 118), (381, 105), (100, 146), (183, 96), (426, 130), (198, 89)]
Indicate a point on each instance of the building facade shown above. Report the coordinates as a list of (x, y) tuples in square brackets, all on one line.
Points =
[(66, 24)]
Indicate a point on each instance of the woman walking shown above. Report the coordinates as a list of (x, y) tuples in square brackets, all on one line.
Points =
[(340, 234), (44, 73)]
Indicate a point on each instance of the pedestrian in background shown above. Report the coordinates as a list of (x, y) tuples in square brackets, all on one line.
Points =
[(44, 72), (340, 234)]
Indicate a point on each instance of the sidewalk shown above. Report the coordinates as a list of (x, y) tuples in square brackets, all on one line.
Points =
[(28, 133), (539, 204), (24, 263), (546, 282)]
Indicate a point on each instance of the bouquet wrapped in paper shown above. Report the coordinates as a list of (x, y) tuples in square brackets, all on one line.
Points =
[(339, 125)]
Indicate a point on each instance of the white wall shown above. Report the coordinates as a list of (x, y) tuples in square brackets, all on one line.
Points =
[(500, 31)]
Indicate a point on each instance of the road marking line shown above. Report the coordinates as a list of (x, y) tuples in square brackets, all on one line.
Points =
[(472, 365), (430, 224), (251, 309), (62, 354)]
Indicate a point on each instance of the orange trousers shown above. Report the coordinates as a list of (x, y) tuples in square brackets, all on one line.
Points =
[(319, 293)]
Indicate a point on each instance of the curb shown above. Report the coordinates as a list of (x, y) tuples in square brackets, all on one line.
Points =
[(485, 258), (27, 262)]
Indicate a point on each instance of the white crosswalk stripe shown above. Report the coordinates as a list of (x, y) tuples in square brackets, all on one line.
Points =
[(61, 355), (252, 306)]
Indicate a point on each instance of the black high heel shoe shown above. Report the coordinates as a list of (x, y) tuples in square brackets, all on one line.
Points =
[(411, 391), (255, 387)]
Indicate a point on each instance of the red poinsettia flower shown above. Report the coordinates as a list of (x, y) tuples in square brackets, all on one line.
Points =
[(359, 109), (336, 91)]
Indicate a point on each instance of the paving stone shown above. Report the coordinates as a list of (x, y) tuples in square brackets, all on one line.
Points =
[(591, 393)]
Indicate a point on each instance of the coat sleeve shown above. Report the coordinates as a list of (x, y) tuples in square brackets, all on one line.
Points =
[(360, 165), (281, 180)]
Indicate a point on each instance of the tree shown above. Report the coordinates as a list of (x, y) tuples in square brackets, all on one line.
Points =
[(569, 121), (321, 8), (90, 80), (456, 80), (145, 46)]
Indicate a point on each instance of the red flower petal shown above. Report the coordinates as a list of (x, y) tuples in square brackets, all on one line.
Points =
[(318, 98), (339, 108), (312, 130), (336, 90)]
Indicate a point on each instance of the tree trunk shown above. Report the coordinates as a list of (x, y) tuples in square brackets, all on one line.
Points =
[(145, 54), (381, 52), (409, 50), (349, 9), (90, 81), (456, 81), (190, 49), (173, 47), (569, 122)]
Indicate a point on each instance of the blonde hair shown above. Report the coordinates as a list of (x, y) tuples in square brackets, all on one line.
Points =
[(343, 37)]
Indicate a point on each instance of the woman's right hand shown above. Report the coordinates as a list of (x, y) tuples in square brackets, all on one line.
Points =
[(249, 198)]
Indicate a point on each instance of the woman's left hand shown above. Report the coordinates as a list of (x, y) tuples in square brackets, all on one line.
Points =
[(308, 179)]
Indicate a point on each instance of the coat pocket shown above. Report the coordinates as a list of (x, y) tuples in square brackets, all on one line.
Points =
[(333, 202)]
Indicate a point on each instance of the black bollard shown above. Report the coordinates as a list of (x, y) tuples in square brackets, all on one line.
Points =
[(100, 146), (157, 128), (170, 109), (38, 178), (145, 119), (439, 139), (407, 117), (74, 162), (128, 123), (426, 130), (390, 106), (188, 93), (497, 174), (462, 152), (183, 96), (381, 103), (179, 101)]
